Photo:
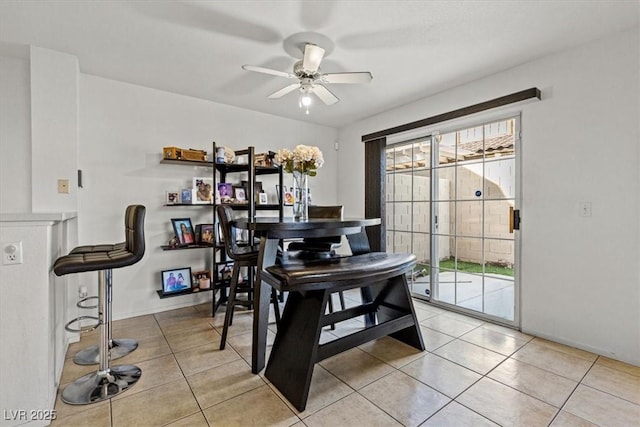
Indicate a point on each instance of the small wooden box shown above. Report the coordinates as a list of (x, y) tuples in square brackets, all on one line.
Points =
[(177, 153)]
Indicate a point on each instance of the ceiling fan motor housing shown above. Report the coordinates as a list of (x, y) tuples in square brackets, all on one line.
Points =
[(299, 71)]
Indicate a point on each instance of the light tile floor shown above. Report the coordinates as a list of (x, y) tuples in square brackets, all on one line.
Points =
[(472, 374)]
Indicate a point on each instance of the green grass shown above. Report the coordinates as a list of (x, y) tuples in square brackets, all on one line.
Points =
[(468, 267)]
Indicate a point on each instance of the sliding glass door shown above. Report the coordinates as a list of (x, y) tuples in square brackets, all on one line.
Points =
[(450, 200)]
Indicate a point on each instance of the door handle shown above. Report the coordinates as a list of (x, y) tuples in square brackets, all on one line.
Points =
[(514, 219)]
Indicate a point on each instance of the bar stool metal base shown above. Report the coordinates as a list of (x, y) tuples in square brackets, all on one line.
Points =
[(99, 386), (118, 348)]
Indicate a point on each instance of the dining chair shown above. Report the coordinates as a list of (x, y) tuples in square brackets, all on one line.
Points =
[(242, 256)]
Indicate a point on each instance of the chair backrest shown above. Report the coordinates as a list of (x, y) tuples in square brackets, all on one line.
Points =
[(225, 215), (134, 230), (325, 212)]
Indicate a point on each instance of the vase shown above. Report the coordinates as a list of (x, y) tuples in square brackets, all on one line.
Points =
[(300, 192)]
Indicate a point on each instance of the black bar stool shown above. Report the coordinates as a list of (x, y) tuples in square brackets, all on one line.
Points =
[(119, 347), (108, 381)]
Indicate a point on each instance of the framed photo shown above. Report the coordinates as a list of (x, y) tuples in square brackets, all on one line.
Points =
[(204, 234), (226, 190), (240, 194), (186, 196), (172, 198), (289, 198), (203, 189), (263, 199), (184, 231), (257, 188), (176, 280), (201, 279), (287, 195)]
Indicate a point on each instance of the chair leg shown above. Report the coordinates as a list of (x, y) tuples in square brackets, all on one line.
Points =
[(228, 316), (107, 381), (330, 302), (276, 307), (341, 295)]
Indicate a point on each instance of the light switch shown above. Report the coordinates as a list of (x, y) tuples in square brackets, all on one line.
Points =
[(63, 186)]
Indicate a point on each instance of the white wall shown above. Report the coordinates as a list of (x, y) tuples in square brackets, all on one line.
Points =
[(15, 134), (123, 128), (579, 277), (54, 129)]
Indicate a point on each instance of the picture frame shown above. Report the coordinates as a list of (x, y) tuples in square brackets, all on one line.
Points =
[(177, 280), (263, 199), (186, 196), (289, 198), (239, 194), (203, 190), (201, 280), (184, 231), (257, 188), (173, 198), (205, 234), (226, 190), (287, 195)]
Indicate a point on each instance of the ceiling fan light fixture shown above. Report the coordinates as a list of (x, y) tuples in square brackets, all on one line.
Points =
[(305, 102)]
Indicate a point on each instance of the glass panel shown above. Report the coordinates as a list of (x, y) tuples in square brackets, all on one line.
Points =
[(446, 179), (469, 255), (446, 148), (421, 217), (390, 238), (446, 285), (499, 297), (421, 244), (496, 219), (402, 216), (423, 154), (403, 185), (389, 216), (389, 186), (469, 219), (421, 185), (499, 139), (469, 181), (499, 257), (499, 179), (469, 290), (402, 242)]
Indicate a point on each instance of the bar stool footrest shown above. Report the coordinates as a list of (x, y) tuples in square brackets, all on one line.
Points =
[(99, 386), (80, 303), (118, 348), (83, 329)]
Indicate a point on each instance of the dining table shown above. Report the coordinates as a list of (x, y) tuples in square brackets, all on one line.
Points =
[(271, 231)]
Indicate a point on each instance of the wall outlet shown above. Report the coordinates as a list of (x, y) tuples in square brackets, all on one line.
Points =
[(12, 253), (82, 292)]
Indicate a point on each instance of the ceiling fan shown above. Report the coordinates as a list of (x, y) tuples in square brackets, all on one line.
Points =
[(310, 77)]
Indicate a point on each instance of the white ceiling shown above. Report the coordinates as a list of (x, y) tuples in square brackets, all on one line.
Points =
[(412, 48)]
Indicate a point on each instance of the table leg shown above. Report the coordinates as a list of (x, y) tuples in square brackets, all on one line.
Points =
[(262, 296), (295, 348)]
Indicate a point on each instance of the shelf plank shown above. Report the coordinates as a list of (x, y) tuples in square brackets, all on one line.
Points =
[(185, 292), (189, 204), (179, 248), (187, 162)]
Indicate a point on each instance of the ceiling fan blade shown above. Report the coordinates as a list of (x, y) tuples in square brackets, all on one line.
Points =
[(285, 90), (313, 55), (268, 71), (337, 78), (325, 95)]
